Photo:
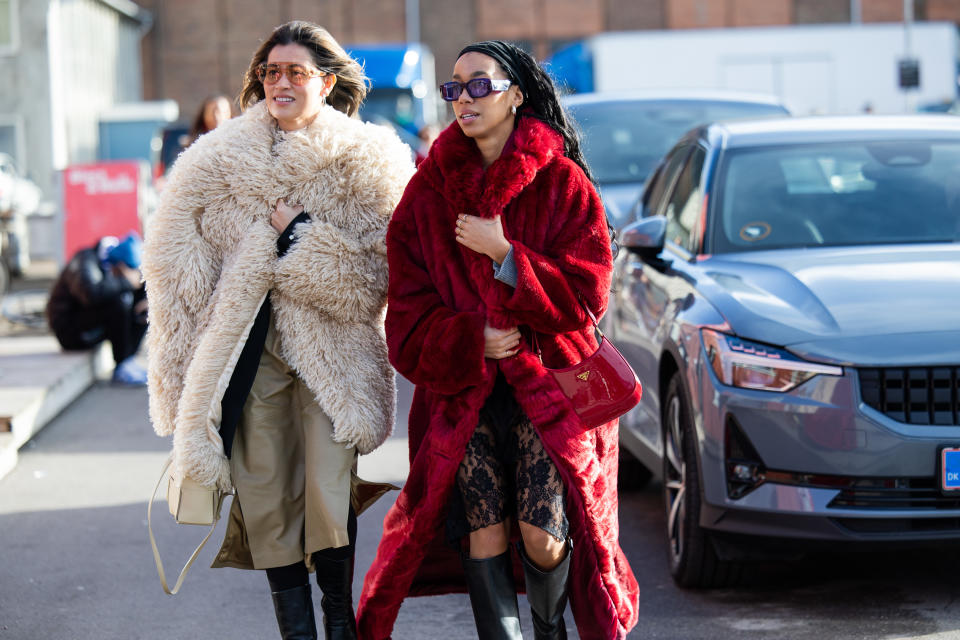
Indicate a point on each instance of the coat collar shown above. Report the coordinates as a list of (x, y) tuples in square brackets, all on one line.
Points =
[(259, 163), (455, 166), (257, 120), (254, 137)]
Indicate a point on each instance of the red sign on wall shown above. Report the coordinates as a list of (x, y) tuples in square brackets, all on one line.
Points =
[(100, 199)]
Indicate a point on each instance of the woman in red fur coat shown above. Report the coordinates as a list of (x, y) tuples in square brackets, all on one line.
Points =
[(499, 234)]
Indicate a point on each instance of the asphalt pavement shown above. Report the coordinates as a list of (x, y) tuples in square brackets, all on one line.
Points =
[(75, 561)]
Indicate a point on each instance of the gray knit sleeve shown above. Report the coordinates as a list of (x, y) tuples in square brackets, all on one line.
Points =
[(507, 271)]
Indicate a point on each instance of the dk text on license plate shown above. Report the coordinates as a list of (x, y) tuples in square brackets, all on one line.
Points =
[(950, 469)]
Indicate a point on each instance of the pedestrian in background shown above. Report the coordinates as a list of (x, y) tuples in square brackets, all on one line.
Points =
[(427, 134), (99, 296), (214, 111), (267, 262), (501, 234)]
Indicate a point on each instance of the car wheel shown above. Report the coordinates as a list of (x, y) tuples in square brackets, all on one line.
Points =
[(692, 557), (632, 474)]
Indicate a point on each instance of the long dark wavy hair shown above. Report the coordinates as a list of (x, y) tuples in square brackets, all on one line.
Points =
[(352, 85)]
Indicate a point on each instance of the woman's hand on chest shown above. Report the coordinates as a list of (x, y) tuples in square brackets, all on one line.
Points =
[(483, 235), (283, 214)]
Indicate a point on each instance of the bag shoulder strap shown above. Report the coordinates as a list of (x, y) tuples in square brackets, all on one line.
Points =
[(593, 319), (153, 542)]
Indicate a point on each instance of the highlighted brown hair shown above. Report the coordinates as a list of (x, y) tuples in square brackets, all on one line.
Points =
[(351, 87)]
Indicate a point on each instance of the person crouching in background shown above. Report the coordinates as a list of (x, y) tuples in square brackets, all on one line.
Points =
[(99, 296)]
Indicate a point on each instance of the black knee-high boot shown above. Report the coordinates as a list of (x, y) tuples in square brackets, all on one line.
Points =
[(547, 594), (335, 577), (295, 617), (493, 597)]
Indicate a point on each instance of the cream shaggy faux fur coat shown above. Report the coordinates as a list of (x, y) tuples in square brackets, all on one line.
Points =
[(210, 258)]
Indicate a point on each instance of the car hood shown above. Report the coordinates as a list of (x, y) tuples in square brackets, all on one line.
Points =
[(890, 305), (618, 199)]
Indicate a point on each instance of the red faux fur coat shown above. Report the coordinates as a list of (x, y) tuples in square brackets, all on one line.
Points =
[(439, 298)]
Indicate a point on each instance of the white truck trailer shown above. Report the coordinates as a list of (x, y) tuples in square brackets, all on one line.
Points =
[(822, 69)]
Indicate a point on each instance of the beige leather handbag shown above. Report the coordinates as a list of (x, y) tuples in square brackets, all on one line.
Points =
[(189, 503)]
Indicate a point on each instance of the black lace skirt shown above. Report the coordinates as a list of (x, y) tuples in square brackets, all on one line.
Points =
[(506, 473)]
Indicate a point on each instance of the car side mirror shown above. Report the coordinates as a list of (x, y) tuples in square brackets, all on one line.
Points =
[(645, 237)]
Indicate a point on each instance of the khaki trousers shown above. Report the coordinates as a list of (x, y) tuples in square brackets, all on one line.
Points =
[(293, 481)]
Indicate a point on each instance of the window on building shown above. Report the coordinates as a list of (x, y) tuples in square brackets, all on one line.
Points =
[(820, 11), (8, 140), (6, 23)]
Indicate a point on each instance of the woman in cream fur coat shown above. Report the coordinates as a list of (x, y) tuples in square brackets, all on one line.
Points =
[(266, 269)]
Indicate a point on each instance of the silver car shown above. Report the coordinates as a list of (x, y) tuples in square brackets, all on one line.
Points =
[(790, 298), (626, 133)]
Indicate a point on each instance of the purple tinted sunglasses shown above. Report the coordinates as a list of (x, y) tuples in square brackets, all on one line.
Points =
[(476, 88)]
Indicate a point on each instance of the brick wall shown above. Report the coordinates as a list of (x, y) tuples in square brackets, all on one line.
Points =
[(881, 10), (202, 47), (539, 24), (943, 10), (375, 21), (636, 14), (508, 19), (447, 27), (569, 19), (757, 13), (199, 47), (694, 14)]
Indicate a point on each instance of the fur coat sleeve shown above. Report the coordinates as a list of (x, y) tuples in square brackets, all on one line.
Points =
[(420, 324), (342, 270), (180, 267), (576, 264), (339, 274)]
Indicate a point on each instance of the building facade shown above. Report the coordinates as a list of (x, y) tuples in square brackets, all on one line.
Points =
[(201, 47), (63, 62)]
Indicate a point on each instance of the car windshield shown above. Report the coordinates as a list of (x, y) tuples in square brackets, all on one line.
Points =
[(850, 193), (623, 140)]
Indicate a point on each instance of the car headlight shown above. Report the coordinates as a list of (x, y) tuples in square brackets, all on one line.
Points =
[(751, 365)]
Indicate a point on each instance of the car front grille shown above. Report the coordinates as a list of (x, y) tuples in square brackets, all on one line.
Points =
[(893, 493), (914, 395)]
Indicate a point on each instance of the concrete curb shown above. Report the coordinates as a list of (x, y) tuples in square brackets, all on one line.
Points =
[(37, 381)]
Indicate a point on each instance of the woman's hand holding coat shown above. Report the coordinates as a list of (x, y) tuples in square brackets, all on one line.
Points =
[(283, 214), (483, 236), (339, 273), (500, 343)]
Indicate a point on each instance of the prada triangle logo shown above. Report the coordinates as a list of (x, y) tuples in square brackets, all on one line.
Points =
[(583, 376)]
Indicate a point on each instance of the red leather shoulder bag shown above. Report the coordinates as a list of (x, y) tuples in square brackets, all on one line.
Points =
[(603, 386)]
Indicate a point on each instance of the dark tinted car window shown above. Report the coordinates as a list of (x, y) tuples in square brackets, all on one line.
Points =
[(851, 193), (683, 209), (623, 140), (653, 196)]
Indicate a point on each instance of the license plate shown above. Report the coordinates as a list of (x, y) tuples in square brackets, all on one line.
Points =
[(950, 469)]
